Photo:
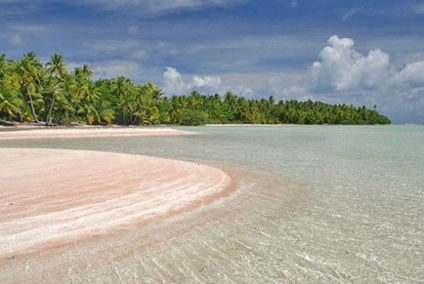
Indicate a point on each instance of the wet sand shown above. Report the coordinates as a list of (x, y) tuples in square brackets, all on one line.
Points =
[(53, 198), (83, 217), (203, 243)]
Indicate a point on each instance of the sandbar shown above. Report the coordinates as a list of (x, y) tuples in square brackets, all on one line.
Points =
[(50, 198)]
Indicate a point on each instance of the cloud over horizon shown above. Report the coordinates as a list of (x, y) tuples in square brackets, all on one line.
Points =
[(174, 84), (344, 74), (342, 68)]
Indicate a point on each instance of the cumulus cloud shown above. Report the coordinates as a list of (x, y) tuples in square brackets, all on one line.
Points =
[(174, 84), (412, 74), (344, 74), (342, 68)]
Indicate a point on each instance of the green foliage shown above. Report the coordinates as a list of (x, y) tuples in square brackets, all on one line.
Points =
[(30, 90), (192, 117)]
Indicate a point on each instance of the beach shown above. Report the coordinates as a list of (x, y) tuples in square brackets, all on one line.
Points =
[(306, 204), (38, 133), (52, 198)]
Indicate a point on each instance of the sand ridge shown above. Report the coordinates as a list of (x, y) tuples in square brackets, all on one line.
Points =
[(53, 197)]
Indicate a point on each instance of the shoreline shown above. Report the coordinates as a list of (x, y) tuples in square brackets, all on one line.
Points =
[(95, 197), (86, 132), (132, 241)]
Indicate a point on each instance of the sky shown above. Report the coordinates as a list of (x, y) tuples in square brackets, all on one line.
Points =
[(336, 51)]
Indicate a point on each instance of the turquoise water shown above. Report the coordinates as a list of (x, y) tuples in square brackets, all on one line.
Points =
[(315, 204)]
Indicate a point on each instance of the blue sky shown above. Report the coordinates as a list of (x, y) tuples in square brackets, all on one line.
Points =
[(337, 51)]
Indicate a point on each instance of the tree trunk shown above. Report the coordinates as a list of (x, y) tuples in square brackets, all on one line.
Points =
[(49, 115), (31, 102)]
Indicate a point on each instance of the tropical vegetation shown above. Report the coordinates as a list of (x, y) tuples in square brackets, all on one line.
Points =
[(48, 93)]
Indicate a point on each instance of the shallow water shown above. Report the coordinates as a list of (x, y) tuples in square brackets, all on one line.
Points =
[(315, 204)]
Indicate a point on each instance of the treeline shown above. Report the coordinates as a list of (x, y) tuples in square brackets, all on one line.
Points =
[(33, 91)]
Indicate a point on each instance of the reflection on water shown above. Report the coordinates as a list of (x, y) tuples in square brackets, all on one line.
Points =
[(315, 204)]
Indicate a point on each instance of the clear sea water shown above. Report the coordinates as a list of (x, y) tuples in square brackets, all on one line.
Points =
[(326, 204)]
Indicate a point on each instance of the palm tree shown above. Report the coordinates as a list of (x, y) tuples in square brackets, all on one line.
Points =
[(123, 89), (9, 102), (55, 71), (29, 71), (148, 100), (56, 66), (52, 92), (99, 112), (80, 89)]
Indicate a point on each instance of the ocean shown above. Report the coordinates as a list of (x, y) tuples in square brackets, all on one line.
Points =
[(329, 204)]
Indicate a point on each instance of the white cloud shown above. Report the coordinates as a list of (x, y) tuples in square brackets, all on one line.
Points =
[(344, 74), (205, 81), (342, 68), (174, 84), (412, 74)]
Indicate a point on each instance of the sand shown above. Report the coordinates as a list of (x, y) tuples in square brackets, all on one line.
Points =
[(94, 217), (51, 198), (88, 132)]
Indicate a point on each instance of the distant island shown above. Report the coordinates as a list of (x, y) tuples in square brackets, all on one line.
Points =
[(31, 91)]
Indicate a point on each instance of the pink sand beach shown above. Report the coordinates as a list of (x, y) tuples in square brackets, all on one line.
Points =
[(51, 199)]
